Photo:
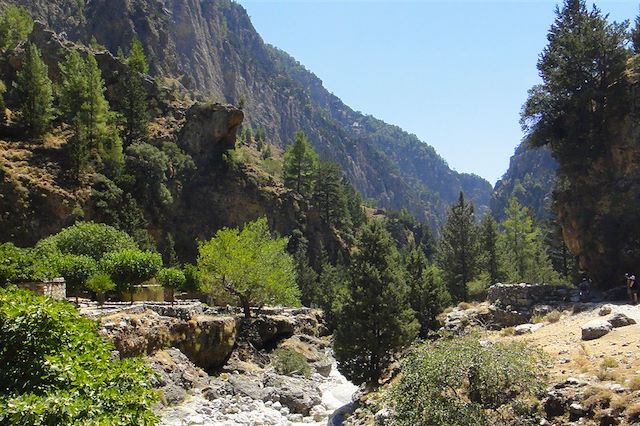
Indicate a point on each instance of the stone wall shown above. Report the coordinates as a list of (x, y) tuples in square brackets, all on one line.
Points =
[(55, 288), (525, 296)]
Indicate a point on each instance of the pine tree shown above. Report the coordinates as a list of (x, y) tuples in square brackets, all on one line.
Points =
[(135, 109), (35, 93), (458, 252), (491, 258), (374, 319), (522, 247), (84, 106), (300, 160), (329, 195), (15, 26), (428, 295)]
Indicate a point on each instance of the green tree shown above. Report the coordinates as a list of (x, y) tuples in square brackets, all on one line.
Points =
[(172, 279), (374, 320), (15, 26), (329, 195), (130, 268), (251, 265), (57, 370), (428, 295), (88, 239), (332, 291), (76, 270), (100, 283), (458, 251), (522, 247), (135, 106), (583, 83), (35, 93), (490, 253), (193, 278), (149, 166), (300, 162), (306, 277)]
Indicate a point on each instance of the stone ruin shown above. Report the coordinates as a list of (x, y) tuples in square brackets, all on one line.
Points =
[(55, 288)]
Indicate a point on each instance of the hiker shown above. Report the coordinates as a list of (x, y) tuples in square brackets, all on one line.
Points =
[(632, 288), (585, 288)]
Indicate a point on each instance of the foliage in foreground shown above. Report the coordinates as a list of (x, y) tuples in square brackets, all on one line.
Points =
[(464, 381), (57, 370)]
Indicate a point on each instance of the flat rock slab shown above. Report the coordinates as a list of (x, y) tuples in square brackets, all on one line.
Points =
[(595, 329)]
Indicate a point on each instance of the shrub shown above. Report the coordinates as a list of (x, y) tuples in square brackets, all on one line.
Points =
[(100, 283), (57, 370), (76, 270), (171, 278), (508, 331), (553, 316), (288, 362), (88, 239), (634, 383), (21, 264), (193, 278), (462, 381)]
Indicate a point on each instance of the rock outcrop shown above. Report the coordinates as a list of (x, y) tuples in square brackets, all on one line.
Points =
[(211, 47)]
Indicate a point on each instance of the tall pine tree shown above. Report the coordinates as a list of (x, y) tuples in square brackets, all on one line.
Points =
[(135, 108), (374, 319), (300, 162), (428, 295), (458, 252), (329, 195), (35, 93)]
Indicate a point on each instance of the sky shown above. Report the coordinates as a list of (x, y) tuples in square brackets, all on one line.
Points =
[(454, 73)]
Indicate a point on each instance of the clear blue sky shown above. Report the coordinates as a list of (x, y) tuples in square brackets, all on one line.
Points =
[(454, 73)]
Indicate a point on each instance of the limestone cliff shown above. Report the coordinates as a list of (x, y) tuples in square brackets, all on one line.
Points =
[(211, 46)]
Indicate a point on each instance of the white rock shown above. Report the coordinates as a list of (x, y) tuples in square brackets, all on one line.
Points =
[(527, 328), (605, 310)]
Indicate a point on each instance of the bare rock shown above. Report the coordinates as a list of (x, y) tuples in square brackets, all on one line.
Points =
[(527, 328), (297, 394), (605, 310), (620, 320), (595, 329)]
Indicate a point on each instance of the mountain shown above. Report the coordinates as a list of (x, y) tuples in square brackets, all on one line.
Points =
[(530, 178), (212, 47)]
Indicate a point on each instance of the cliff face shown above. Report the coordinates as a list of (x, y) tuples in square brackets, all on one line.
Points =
[(531, 177), (211, 46)]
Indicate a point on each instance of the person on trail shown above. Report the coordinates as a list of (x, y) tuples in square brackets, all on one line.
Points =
[(632, 288), (585, 289)]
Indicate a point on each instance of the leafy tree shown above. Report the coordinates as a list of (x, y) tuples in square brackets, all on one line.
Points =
[(15, 26), (135, 108), (491, 255), (300, 160), (458, 252), (100, 283), (57, 370), (328, 194), (463, 381), (428, 295), (172, 279), (374, 319), (89, 239), (130, 268), (35, 93), (522, 247), (583, 83), (76, 270), (251, 265), (193, 278), (149, 167)]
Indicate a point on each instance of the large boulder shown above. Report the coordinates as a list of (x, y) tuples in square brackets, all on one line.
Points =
[(595, 329), (298, 394), (176, 375)]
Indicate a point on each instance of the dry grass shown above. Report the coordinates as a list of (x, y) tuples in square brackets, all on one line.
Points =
[(597, 398), (634, 383), (632, 413), (508, 331)]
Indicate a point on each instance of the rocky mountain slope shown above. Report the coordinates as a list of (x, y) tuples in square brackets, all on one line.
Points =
[(211, 47), (530, 177)]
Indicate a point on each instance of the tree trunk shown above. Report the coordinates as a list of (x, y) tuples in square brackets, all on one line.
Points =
[(245, 307)]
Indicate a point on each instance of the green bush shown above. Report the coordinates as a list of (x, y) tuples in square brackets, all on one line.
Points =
[(171, 278), (76, 270), (88, 239), (100, 283), (463, 381), (56, 370), (23, 264), (287, 361)]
